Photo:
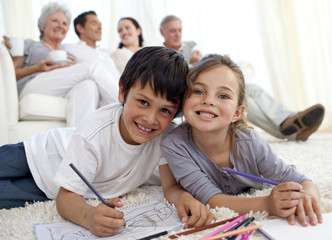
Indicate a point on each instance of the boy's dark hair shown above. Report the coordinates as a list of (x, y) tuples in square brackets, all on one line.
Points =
[(81, 19), (162, 68), (136, 24)]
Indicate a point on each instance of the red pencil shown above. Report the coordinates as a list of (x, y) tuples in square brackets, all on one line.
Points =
[(212, 225)]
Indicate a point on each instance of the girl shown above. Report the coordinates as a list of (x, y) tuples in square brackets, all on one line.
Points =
[(130, 33), (216, 136)]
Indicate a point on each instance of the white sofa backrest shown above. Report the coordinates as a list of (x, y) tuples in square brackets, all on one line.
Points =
[(8, 92)]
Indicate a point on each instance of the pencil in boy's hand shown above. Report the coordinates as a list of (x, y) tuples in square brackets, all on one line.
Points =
[(89, 185)]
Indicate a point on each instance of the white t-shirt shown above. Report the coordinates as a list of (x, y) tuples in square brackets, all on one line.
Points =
[(97, 149), (121, 57), (83, 53)]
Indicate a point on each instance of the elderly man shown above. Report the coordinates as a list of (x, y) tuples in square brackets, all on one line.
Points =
[(263, 110)]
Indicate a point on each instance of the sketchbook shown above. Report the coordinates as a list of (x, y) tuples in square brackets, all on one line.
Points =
[(142, 220), (280, 229)]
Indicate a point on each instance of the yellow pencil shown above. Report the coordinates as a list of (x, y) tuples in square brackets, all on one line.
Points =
[(235, 232)]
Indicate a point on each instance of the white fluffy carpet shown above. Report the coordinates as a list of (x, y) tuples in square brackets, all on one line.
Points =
[(313, 158)]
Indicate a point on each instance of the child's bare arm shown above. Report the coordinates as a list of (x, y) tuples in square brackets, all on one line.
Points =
[(184, 201), (309, 205), (101, 220)]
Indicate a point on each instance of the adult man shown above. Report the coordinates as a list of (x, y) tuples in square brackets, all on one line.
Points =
[(89, 29), (171, 30), (263, 110)]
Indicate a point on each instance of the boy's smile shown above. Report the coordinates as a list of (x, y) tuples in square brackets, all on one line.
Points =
[(145, 115)]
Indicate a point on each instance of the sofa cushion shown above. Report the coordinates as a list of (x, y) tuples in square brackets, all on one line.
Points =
[(35, 106)]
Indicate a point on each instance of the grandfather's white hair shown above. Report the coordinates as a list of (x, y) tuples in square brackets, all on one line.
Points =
[(48, 10), (167, 19)]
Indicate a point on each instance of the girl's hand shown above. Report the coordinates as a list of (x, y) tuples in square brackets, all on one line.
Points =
[(284, 199), (105, 221), (199, 214), (309, 205)]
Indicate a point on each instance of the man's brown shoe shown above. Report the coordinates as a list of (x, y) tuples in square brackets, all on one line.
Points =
[(304, 123)]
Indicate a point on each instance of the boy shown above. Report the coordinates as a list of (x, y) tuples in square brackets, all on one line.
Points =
[(116, 148)]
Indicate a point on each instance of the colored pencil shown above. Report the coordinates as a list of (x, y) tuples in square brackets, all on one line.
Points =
[(198, 229), (254, 177), (238, 225), (89, 184), (228, 225), (245, 237), (234, 232), (239, 237), (251, 176)]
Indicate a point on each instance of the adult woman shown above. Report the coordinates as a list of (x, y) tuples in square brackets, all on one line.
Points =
[(84, 84), (130, 33)]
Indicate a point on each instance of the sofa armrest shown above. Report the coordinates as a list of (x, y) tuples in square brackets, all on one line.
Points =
[(42, 107)]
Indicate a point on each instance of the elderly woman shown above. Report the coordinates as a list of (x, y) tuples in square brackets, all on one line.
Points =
[(130, 33), (84, 84)]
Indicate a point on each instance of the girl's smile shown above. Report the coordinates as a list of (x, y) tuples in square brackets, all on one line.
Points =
[(214, 99)]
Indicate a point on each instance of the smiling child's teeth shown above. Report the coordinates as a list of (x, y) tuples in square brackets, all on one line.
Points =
[(143, 128), (208, 115)]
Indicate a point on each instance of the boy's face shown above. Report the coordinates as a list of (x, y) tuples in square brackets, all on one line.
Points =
[(145, 115)]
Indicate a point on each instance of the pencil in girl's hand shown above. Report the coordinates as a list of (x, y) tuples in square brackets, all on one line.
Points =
[(254, 177), (251, 176)]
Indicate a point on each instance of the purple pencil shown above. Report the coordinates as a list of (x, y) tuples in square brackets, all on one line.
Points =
[(251, 176)]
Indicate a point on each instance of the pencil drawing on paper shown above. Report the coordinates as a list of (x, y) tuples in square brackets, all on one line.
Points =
[(141, 220), (72, 232), (148, 216)]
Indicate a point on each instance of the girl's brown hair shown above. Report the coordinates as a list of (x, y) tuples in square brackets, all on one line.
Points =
[(213, 61)]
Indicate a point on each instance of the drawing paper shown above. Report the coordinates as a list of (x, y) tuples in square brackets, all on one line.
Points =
[(281, 230), (142, 220)]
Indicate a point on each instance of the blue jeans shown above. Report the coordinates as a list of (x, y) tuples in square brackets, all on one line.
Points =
[(17, 185)]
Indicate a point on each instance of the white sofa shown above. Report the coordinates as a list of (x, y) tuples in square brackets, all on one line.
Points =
[(34, 114)]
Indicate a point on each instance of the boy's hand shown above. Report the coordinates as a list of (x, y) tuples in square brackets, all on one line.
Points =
[(284, 199), (200, 215), (105, 221)]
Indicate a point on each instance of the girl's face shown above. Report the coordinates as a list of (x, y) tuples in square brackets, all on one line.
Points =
[(128, 33), (213, 103), (56, 27)]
